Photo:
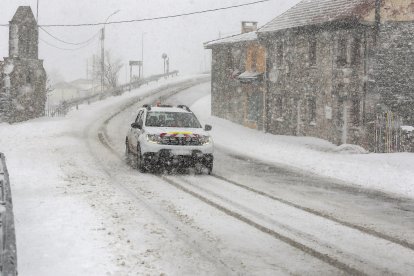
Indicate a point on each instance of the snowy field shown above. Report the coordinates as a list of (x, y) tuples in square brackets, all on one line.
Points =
[(71, 218)]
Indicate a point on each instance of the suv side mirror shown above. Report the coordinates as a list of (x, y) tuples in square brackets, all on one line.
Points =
[(136, 125), (208, 128)]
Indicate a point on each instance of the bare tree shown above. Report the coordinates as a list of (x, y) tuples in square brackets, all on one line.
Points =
[(49, 86), (111, 70)]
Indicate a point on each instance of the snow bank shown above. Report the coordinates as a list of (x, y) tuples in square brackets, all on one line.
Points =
[(391, 173)]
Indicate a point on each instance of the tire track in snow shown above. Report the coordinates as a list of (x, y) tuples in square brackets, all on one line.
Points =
[(360, 228), (105, 140), (302, 247), (103, 137), (342, 243)]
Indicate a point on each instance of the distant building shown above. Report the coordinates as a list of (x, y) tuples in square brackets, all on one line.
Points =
[(61, 92), (333, 68), (22, 76), (69, 91)]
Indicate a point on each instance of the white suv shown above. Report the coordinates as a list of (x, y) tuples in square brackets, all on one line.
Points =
[(166, 136)]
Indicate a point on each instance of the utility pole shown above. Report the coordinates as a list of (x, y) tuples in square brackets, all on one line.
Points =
[(142, 54), (102, 58), (37, 11), (103, 51), (130, 72), (126, 73)]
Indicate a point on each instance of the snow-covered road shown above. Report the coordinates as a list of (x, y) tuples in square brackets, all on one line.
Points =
[(80, 210)]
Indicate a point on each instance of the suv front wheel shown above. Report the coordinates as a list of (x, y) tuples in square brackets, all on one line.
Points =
[(210, 167), (128, 153), (141, 163)]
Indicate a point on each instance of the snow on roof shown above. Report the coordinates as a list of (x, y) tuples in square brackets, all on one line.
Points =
[(313, 12), (250, 36), (167, 109)]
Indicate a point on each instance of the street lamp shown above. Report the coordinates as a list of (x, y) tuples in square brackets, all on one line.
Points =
[(142, 53), (103, 50), (164, 57)]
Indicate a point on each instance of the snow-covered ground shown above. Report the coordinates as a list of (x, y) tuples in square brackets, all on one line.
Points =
[(58, 232), (390, 173), (71, 218)]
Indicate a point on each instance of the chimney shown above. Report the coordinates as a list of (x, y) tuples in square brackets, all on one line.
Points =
[(248, 26)]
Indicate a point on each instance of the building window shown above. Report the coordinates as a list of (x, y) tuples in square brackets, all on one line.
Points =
[(356, 51), (312, 51), (355, 111), (342, 51), (229, 58), (279, 106), (339, 112), (254, 59), (253, 106), (279, 53), (237, 57), (312, 109), (28, 79)]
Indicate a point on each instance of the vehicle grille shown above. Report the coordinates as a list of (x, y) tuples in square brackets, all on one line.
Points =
[(180, 141)]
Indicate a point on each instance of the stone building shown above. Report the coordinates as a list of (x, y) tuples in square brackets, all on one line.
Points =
[(328, 63), (238, 85), (22, 76), (332, 66)]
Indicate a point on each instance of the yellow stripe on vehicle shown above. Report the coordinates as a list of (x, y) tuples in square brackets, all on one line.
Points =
[(180, 132)]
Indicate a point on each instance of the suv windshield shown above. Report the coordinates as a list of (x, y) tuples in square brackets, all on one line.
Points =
[(172, 119)]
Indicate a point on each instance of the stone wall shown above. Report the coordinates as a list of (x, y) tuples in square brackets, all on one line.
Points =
[(393, 69), (316, 82), (26, 97)]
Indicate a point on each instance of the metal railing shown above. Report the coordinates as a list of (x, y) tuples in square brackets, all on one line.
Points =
[(63, 108), (390, 135)]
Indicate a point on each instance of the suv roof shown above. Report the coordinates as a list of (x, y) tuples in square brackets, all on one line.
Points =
[(168, 108)]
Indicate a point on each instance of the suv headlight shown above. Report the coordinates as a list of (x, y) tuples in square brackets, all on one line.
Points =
[(154, 138), (205, 140)]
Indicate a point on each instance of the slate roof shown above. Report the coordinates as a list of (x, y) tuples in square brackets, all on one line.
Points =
[(250, 36), (23, 14), (314, 12)]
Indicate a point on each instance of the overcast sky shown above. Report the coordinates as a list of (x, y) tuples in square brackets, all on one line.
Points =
[(180, 38)]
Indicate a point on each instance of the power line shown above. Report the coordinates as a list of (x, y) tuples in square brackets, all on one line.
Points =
[(70, 43), (64, 49), (153, 18)]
